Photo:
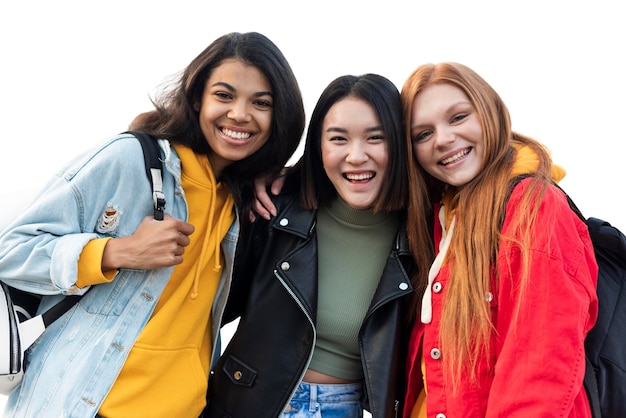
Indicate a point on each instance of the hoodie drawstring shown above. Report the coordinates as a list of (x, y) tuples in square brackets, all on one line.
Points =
[(444, 244)]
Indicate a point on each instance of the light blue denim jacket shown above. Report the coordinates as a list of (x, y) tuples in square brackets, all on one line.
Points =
[(72, 366)]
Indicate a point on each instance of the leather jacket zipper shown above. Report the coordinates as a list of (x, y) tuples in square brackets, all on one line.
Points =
[(295, 298)]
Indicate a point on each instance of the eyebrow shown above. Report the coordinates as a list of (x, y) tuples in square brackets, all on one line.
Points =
[(418, 126), (343, 130), (233, 89), (450, 109)]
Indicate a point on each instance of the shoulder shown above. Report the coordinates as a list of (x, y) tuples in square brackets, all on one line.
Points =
[(552, 200), (119, 154), (285, 201), (116, 151), (555, 229), (291, 217), (289, 193)]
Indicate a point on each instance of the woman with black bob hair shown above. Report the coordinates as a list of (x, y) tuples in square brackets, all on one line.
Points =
[(321, 287)]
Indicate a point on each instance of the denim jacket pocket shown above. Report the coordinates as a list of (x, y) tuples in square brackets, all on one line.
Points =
[(110, 299)]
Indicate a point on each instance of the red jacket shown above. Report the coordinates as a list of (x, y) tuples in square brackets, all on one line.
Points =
[(538, 370)]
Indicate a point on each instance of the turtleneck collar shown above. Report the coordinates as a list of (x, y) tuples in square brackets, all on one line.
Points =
[(340, 210)]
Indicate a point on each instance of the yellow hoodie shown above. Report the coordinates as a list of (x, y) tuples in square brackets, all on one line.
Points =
[(167, 369)]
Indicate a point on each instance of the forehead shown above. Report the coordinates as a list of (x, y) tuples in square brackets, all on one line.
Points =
[(440, 92), (239, 74), (438, 98), (351, 111)]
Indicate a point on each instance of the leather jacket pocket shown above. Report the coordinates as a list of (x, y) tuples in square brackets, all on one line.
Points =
[(238, 372)]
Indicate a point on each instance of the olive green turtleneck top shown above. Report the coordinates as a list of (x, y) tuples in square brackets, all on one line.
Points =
[(353, 247)]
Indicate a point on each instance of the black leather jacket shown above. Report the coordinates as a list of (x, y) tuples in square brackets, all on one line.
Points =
[(275, 293)]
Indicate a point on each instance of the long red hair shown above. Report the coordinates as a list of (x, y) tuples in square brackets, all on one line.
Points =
[(466, 321)]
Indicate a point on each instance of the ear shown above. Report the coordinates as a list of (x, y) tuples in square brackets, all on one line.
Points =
[(196, 106)]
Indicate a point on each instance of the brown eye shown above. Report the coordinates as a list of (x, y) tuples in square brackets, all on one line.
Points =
[(223, 95), (263, 103)]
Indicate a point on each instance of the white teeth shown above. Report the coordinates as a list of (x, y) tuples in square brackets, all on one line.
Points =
[(236, 135), (455, 157), (358, 177)]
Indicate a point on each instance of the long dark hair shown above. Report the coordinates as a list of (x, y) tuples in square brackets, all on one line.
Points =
[(383, 95), (175, 118)]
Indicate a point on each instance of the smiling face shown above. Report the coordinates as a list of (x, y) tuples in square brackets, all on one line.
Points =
[(235, 112), (354, 151), (447, 135)]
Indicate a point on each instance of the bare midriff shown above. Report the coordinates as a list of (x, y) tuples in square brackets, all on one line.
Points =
[(311, 376)]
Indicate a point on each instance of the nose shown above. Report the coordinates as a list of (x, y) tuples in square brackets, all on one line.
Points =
[(444, 137), (239, 111), (357, 153)]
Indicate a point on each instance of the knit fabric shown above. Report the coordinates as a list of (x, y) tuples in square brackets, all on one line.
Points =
[(353, 247)]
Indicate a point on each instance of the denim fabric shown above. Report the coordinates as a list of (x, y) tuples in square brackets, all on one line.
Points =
[(313, 400), (88, 346)]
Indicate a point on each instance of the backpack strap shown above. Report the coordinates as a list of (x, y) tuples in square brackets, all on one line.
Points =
[(591, 388), (19, 326), (152, 158)]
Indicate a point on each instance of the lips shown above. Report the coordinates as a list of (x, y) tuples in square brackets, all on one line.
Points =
[(237, 135), (456, 157), (359, 176)]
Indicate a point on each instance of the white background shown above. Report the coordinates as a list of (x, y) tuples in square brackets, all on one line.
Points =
[(74, 73)]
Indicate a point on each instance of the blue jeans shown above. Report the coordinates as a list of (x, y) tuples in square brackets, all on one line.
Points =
[(313, 400)]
